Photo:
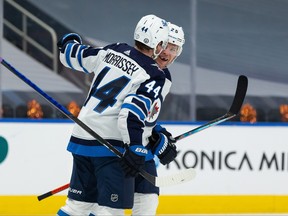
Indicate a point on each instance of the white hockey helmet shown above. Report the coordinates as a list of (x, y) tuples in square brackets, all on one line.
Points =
[(151, 30), (176, 36)]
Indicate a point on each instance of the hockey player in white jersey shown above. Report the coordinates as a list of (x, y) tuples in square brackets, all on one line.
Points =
[(122, 106), (146, 201)]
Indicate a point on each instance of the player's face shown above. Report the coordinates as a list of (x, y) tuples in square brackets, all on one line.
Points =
[(167, 56)]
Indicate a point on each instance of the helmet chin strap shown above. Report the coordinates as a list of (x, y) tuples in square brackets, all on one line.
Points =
[(155, 55)]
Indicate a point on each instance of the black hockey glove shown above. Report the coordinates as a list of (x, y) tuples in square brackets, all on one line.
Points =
[(133, 160), (159, 129), (163, 145), (74, 37)]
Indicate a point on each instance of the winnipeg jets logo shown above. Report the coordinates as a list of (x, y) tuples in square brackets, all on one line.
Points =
[(153, 113), (154, 110)]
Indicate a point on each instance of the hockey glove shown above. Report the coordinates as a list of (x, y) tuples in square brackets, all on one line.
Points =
[(163, 146), (69, 37), (159, 129), (133, 160)]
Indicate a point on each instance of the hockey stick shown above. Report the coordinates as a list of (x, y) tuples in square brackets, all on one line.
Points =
[(52, 192), (183, 176), (239, 97)]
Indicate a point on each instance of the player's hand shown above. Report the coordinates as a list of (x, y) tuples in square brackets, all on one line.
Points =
[(159, 129), (73, 37), (133, 160), (163, 145)]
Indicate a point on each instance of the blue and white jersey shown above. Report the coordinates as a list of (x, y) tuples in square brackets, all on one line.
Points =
[(124, 100)]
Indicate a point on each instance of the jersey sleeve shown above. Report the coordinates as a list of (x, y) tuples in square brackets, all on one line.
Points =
[(137, 110), (79, 57)]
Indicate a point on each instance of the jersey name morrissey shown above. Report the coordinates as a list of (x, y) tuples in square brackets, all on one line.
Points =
[(122, 63)]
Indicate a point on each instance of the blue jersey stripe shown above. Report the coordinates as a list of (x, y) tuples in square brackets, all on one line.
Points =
[(135, 110), (67, 54), (79, 57), (143, 99), (92, 151), (98, 151)]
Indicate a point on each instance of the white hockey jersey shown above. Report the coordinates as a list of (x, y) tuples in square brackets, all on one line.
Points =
[(124, 100)]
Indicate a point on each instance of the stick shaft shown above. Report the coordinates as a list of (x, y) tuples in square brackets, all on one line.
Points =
[(50, 193), (217, 121), (239, 97)]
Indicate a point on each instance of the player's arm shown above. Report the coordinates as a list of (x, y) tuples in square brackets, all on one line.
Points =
[(131, 122), (161, 142), (75, 55)]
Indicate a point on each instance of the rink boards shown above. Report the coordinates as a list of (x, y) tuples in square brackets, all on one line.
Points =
[(241, 168)]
